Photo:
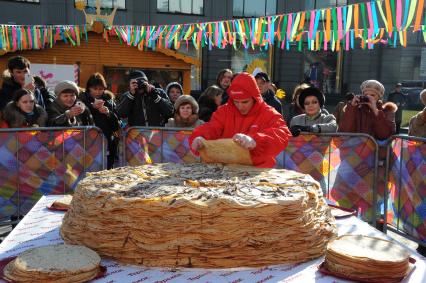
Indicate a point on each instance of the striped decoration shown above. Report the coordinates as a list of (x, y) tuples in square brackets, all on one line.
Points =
[(337, 28)]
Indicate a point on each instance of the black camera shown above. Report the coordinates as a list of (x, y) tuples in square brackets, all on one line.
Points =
[(142, 84), (363, 99)]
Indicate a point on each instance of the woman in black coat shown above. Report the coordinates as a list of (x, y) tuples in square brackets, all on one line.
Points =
[(101, 104), (209, 100), (23, 111)]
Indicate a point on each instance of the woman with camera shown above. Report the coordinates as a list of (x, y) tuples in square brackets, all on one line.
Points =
[(368, 114), (66, 110), (101, 104)]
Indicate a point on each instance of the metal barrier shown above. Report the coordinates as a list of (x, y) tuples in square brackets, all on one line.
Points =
[(405, 193), (340, 162), (41, 161)]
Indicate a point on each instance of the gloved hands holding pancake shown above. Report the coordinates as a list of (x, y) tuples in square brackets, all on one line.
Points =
[(245, 141), (197, 143)]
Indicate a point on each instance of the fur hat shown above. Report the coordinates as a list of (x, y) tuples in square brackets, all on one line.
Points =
[(244, 86), (187, 99), (64, 85), (138, 75), (311, 91), (374, 86), (174, 85), (423, 97)]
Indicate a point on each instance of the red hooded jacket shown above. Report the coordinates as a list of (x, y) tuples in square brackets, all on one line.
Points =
[(263, 123)]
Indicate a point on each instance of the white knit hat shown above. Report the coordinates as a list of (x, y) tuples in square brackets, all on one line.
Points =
[(423, 97), (63, 85), (374, 86)]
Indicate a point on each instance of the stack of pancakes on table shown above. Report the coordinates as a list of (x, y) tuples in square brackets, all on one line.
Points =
[(367, 259), (200, 215), (62, 203), (57, 263)]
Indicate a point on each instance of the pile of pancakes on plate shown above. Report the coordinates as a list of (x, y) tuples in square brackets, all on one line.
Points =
[(57, 263), (200, 215), (367, 259)]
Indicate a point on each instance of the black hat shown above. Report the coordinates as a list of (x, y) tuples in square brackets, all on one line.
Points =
[(262, 75), (311, 91), (138, 75)]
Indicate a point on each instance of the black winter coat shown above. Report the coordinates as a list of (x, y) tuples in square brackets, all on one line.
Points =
[(15, 118), (107, 123), (58, 118), (143, 110), (207, 107), (8, 89), (271, 100)]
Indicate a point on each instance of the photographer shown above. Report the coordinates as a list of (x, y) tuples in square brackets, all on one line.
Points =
[(143, 104), (367, 114)]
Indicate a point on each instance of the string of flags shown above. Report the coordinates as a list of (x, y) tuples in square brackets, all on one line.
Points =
[(361, 25)]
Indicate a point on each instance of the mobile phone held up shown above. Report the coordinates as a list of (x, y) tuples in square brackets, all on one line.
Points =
[(79, 104), (28, 79)]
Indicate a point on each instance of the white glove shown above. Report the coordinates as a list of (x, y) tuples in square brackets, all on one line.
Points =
[(245, 141), (197, 143)]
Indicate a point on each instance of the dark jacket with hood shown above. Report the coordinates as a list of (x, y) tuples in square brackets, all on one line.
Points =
[(143, 110), (15, 118), (207, 107), (58, 117), (271, 100), (8, 89), (107, 123)]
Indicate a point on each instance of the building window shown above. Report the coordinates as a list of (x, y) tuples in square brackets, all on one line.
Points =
[(323, 70), (105, 4), (246, 8), (192, 7), (250, 61), (321, 4)]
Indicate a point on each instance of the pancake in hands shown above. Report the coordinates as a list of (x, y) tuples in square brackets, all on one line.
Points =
[(224, 151)]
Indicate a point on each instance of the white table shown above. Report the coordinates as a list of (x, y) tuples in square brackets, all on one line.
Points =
[(40, 227)]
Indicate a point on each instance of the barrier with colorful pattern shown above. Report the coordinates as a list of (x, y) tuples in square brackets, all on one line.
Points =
[(46, 161), (406, 186)]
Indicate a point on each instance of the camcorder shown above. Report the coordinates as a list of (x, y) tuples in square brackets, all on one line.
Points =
[(363, 99)]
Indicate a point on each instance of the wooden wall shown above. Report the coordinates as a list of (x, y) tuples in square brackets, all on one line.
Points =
[(94, 55)]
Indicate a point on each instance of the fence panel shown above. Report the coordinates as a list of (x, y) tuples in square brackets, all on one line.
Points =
[(308, 154), (406, 186), (353, 173), (45, 161)]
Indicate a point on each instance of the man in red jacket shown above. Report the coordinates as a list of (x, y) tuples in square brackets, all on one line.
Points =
[(249, 121)]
